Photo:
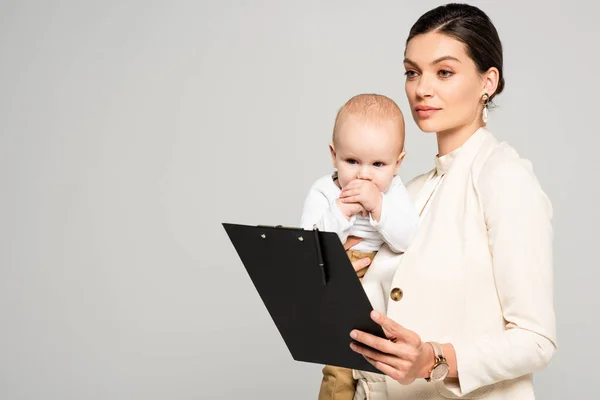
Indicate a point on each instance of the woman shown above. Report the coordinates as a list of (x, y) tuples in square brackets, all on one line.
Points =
[(470, 311)]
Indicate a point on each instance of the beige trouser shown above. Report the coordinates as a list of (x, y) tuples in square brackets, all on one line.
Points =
[(338, 383)]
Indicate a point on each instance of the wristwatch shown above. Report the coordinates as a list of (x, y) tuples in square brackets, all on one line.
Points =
[(440, 368)]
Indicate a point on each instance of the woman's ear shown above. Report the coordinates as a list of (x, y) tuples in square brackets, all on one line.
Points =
[(490, 81), (332, 152)]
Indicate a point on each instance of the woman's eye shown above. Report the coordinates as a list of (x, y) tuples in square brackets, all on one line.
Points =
[(445, 73), (410, 74), (378, 164)]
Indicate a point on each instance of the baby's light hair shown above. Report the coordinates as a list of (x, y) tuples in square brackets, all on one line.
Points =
[(370, 108)]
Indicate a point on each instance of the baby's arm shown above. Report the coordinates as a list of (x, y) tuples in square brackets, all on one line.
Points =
[(321, 209), (399, 220)]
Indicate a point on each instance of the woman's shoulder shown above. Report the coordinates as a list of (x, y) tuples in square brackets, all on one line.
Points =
[(503, 162), (504, 172)]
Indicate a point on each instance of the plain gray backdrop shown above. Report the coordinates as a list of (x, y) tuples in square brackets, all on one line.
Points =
[(130, 130)]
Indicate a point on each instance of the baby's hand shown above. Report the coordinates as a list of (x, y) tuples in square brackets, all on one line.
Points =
[(350, 209), (364, 192)]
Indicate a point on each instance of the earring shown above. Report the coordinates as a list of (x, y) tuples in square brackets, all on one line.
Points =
[(485, 99)]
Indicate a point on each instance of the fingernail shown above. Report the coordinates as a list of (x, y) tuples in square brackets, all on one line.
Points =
[(353, 334), (375, 315), (352, 346)]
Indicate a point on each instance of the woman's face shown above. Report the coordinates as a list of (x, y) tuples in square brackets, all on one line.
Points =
[(443, 85)]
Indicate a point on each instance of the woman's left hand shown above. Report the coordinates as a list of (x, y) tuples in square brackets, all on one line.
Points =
[(402, 356)]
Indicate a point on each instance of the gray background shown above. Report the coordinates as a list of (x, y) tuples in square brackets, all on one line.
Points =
[(130, 130)]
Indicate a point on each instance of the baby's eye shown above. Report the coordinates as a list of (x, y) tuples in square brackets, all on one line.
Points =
[(378, 164), (351, 161)]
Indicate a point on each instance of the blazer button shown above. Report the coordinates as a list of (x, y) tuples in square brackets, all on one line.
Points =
[(396, 294)]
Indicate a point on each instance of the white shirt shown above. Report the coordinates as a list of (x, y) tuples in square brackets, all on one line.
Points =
[(396, 226), (426, 194)]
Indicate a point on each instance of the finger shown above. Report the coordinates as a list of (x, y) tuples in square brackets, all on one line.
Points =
[(375, 363), (349, 192), (360, 264), (371, 184), (378, 356), (354, 183), (395, 330), (354, 208), (351, 199), (357, 210), (403, 356), (398, 375), (372, 341)]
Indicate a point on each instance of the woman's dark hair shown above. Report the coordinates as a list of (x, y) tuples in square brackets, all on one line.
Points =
[(471, 26)]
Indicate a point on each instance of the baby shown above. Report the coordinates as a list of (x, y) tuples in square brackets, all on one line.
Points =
[(364, 198)]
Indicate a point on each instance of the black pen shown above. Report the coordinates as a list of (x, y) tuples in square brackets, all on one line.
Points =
[(319, 255)]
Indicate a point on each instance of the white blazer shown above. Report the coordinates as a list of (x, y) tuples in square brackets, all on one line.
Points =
[(478, 275)]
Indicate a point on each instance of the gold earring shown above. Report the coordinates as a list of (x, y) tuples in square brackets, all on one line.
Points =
[(485, 99)]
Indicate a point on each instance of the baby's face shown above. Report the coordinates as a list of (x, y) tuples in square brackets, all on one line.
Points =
[(369, 151)]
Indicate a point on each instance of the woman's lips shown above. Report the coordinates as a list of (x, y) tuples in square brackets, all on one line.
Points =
[(426, 112)]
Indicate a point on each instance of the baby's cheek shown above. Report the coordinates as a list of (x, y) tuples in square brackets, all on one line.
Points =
[(384, 183)]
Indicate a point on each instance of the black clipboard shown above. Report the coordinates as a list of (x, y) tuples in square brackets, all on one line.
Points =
[(314, 306)]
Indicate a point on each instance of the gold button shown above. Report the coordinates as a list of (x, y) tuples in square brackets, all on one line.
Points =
[(396, 294)]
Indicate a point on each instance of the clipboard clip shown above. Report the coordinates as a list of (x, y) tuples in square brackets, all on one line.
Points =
[(320, 262), (277, 226)]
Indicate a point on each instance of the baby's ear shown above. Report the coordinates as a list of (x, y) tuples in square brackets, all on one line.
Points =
[(332, 152), (399, 160)]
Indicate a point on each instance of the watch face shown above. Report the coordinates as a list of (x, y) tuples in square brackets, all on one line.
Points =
[(440, 372)]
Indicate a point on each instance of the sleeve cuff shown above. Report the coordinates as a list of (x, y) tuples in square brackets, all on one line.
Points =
[(340, 219), (381, 223), (467, 382)]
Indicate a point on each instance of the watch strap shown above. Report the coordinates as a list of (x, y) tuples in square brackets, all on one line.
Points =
[(437, 351)]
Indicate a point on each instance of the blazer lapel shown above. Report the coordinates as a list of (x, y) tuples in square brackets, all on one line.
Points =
[(446, 207)]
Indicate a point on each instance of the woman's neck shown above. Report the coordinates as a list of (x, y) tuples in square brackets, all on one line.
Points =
[(451, 139)]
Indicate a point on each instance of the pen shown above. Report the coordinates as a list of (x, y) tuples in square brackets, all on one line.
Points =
[(319, 255)]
